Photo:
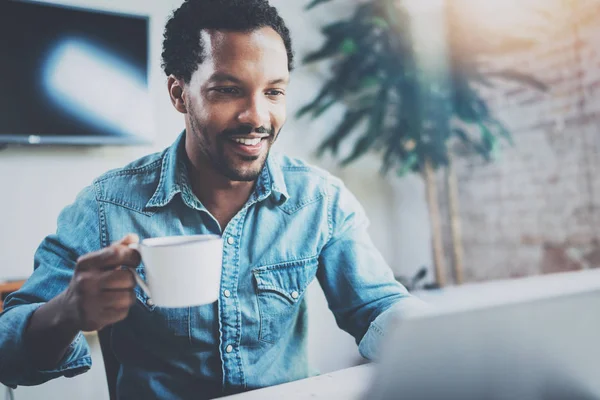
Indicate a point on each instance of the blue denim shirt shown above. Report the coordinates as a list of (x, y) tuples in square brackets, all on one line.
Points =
[(299, 224)]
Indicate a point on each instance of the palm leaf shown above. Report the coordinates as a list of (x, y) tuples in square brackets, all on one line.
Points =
[(325, 91), (329, 49), (315, 3), (349, 122), (374, 131), (503, 131)]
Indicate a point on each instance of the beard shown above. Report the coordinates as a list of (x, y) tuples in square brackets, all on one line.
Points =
[(235, 167)]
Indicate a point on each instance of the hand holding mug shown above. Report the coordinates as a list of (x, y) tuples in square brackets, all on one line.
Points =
[(101, 292)]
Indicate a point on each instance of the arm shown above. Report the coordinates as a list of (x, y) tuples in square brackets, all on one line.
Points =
[(99, 294), (40, 328), (359, 286)]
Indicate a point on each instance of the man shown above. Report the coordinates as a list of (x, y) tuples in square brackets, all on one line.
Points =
[(228, 65)]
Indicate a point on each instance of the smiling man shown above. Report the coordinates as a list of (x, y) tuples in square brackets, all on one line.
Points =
[(285, 224)]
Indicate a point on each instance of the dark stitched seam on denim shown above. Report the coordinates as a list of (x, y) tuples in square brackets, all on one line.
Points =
[(267, 184), (261, 319), (333, 241), (221, 313), (125, 205), (301, 290), (162, 176), (301, 205), (230, 232), (132, 171), (189, 325), (238, 314), (324, 176), (286, 264), (83, 362), (299, 169), (102, 231), (377, 329), (281, 292), (329, 214)]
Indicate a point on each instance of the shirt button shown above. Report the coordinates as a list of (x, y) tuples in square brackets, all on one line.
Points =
[(149, 302), (229, 349), (295, 295), (226, 293), (230, 240)]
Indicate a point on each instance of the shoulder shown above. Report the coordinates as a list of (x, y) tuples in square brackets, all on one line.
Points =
[(307, 183), (301, 176), (132, 185)]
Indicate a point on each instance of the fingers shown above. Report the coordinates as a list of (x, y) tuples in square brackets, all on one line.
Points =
[(116, 280), (129, 239), (117, 301), (111, 257)]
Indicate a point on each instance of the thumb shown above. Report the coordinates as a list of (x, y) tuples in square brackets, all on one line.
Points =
[(128, 239)]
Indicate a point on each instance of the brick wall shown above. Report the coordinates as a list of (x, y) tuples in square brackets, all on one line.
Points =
[(536, 210)]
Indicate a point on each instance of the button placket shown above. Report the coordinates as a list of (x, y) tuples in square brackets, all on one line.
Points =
[(230, 311)]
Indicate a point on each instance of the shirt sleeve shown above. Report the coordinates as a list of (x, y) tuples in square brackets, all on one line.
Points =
[(78, 233), (359, 286)]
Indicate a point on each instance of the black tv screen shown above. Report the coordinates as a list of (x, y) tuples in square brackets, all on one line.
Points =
[(72, 75)]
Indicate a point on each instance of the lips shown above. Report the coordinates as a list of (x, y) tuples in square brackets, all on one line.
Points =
[(247, 146)]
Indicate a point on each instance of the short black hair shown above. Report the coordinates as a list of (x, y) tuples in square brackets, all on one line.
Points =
[(183, 48)]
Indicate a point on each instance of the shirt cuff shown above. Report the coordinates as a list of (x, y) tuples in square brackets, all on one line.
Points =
[(15, 365), (369, 346)]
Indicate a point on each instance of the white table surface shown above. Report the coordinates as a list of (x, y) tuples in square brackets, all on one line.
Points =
[(348, 384)]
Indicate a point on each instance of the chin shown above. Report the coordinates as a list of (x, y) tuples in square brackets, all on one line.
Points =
[(244, 174), (245, 170)]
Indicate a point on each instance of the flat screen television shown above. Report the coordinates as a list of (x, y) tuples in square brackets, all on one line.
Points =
[(72, 75)]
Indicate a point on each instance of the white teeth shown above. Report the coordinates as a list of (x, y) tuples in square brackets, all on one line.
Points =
[(248, 142)]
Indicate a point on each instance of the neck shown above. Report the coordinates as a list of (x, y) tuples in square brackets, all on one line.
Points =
[(222, 197), (213, 188)]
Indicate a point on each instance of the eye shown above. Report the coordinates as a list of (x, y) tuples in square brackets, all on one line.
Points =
[(275, 93), (227, 90)]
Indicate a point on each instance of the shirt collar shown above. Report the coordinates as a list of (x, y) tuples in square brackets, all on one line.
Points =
[(173, 175), (277, 180), (174, 179)]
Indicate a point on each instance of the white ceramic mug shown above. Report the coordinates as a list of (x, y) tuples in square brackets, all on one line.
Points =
[(181, 271)]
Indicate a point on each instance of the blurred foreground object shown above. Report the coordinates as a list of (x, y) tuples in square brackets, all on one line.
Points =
[(532, 338)]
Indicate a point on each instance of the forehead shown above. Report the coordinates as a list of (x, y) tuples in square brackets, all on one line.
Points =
[(259, 54)]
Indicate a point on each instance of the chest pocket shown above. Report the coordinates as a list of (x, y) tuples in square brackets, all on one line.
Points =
[(168, 325), (280, 291)]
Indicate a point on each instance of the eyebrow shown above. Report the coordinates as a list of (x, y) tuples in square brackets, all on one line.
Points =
[(224, 77)]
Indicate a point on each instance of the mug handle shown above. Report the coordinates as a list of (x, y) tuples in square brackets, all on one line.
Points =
[(136, 276)]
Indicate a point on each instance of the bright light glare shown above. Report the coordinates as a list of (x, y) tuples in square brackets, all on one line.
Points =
[(504, 15), (98, 87), (421, 6)]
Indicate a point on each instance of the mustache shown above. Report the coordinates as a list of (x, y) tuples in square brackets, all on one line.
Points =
[(246, 130)]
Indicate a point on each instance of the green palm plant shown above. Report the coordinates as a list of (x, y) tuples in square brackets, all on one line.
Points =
[(410, 116), (407, 112)]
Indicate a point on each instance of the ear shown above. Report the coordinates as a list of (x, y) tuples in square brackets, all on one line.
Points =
[(177, 93)]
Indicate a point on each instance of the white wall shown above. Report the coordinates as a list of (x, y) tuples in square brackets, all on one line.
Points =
[(38, 182)]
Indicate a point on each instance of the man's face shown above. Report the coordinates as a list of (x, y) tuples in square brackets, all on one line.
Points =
[(235, 101)]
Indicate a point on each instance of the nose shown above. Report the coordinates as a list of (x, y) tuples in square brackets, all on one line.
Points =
[(255, 112)]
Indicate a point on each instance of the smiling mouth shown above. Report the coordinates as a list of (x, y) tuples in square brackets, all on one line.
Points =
[(251, 147), (248, 142)]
